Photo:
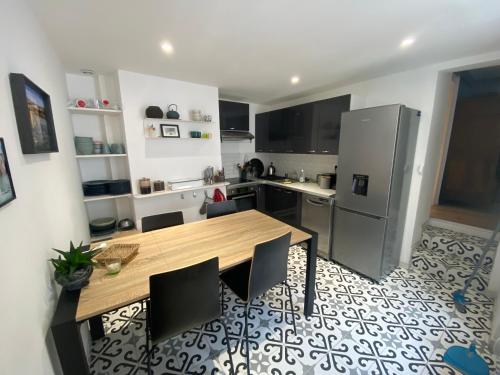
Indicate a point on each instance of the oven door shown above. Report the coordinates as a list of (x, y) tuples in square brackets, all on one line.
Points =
[(245, 201)]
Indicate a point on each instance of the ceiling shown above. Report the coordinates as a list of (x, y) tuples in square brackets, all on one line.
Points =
[(251, 49)]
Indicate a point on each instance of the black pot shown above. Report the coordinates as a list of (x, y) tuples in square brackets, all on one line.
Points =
[(172, 112), (154, 112), (77, 280)]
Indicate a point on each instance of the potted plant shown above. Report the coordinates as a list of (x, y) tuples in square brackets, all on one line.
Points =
[(73, 268)]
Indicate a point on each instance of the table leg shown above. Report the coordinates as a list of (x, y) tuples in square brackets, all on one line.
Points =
[(310, 293), (67, 336), (96, 328)]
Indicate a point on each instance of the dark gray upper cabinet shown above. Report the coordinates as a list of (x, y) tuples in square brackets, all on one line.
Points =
[(299, 128), (233, 115), (262, 132), (310, 128), (327, 123)]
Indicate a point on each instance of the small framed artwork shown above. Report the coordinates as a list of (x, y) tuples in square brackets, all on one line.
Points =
[(169, 131), (7, 192), (35, 123)]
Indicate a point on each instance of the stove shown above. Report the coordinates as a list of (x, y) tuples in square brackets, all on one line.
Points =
[(243, 192)]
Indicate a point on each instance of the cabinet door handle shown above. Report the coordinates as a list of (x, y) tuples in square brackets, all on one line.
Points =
[(312, 203), (325, 151), (312, 150), (288, 191)]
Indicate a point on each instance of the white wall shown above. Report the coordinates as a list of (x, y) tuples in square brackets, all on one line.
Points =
[(168, 159), (48, 211)]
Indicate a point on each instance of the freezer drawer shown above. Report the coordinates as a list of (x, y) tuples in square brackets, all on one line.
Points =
[(358, 242), (317, 215)]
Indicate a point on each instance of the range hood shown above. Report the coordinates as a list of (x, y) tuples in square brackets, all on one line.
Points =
[(236, 135)]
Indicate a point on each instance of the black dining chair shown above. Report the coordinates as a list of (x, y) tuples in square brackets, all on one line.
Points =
[(221, 209), (181, 300), (160, 221), (252, 279)]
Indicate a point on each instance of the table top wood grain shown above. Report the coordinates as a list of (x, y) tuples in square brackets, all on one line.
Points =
[(232, 238)]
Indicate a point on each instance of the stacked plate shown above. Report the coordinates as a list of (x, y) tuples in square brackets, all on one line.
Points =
[(116, 187), (101, 187), (102, 226), (84, 145), (97, 187)]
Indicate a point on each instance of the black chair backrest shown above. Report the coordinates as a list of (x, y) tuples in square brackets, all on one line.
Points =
[(269, 265), (160, 221), (221, 209), (183, 299)]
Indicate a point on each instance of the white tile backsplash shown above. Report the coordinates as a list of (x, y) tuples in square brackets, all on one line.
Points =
[(284, 163)]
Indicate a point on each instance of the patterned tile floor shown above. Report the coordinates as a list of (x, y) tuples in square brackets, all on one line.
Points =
[(400, 326)]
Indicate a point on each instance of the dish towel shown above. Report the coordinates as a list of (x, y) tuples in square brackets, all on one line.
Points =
[(219, 196)]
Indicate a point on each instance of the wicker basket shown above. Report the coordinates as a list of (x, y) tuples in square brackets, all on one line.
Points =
[(125, 252)]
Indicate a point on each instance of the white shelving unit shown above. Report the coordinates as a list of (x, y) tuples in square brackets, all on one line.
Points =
[(100, 156), (104, 125), (105, 197), (94, 111)]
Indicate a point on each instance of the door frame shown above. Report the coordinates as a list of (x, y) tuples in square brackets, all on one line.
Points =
[(453, 88)]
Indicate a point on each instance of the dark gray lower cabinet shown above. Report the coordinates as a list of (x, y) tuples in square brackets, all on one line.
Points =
[(282, 204)]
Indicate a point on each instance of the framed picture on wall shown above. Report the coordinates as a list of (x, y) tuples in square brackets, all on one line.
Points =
[(35, 123), (169, 131), (7, 192)]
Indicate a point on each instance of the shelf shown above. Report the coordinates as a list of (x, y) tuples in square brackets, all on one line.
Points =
[(173, 121), (97, 156), (197, 139), (104, 197), (94, 111), (168, 192), (102, 238)]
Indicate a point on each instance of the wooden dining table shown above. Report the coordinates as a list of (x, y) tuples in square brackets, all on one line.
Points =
[(231, 238)]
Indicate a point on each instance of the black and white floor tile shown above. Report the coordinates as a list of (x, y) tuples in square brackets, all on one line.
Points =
[(400, 326)]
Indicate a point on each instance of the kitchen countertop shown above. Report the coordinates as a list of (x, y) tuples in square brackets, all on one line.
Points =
[(302, 187)]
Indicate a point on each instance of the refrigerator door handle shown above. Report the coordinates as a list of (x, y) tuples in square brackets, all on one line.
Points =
[(359, 213)]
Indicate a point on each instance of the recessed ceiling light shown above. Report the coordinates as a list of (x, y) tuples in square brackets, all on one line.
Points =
[(295, 80), (407, 42), (167, 47)]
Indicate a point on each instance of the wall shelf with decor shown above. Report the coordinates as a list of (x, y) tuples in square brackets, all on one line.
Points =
[(98, 156), (176, 129), (169, 192), (174, 121), (94, 111), (100, 128)]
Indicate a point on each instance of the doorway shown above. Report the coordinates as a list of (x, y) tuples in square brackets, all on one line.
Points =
[(470, 187)]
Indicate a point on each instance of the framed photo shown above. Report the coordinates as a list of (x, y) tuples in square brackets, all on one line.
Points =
[(35, 123), (169, 131), (7, 192)]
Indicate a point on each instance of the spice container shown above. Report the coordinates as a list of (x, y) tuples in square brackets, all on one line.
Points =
[(159, 185), (145, 185)]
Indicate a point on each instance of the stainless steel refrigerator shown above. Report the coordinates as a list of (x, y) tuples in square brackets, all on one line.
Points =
[(375, 164)]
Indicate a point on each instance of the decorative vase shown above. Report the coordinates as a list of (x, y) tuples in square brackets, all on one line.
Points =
[(77, 280)]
